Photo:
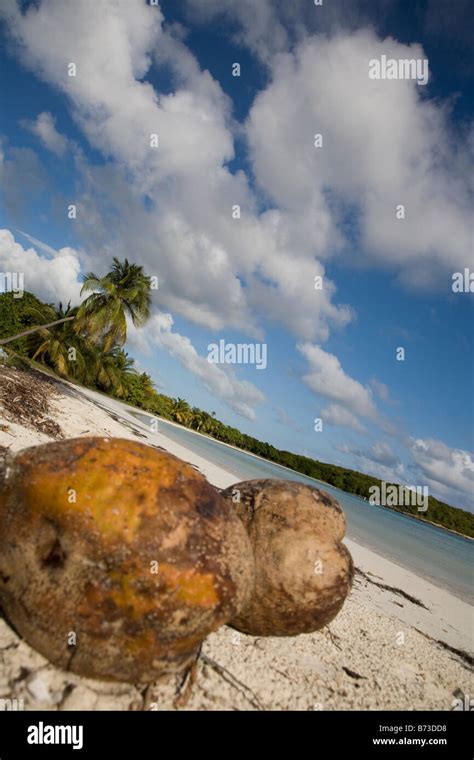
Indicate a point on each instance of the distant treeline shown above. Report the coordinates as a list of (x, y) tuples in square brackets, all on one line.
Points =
[(137, 389)]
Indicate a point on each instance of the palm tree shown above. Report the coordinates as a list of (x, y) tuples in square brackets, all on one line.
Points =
[(181, 411), (71, 356), (206, 423), (57, 344), (197, 418), (113, 371), (217, 430), (31, 330), (124, 291)]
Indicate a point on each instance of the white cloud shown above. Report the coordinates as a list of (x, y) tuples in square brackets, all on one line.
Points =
[(341, 417), (395, 148), (377, 460), (44, 128), (327, 378), (379, 452), (111, 44), (51, 279), (384, 144), (381, 390), (240, 395), (449, 472)]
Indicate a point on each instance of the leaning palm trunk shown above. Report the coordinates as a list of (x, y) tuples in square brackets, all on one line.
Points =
[(34, 329)]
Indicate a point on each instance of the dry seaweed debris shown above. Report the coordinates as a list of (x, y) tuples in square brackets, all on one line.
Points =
[(393, 589), (24, 399)]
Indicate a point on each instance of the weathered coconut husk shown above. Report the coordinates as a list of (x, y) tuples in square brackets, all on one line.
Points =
[(117, 559), (303, 572)]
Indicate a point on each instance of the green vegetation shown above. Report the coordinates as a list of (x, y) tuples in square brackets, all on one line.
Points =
[(19, 314), (89, 350), (124, 291), (83, 343)]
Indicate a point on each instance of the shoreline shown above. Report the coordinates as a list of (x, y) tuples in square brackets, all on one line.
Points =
[(316, 480), (275, 464), (86, 391)]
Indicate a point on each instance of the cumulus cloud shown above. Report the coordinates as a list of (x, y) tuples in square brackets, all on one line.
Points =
[(326, 378), (44, 128), (111, 45), (51, 279), (394, 148), (384, 144), (447, 471), (240, 395), (376, 459), (380, 389), (337, 415), (379, 452)]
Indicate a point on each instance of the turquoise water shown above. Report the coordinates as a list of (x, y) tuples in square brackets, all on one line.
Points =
[(439, 556)]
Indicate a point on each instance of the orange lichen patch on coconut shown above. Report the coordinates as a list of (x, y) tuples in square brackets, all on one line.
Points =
[(94, 502), (125, 596), (102, 485), (147, 644), (191, 586)]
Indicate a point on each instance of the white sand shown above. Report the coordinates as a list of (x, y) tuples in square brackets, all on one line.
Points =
[(380, 652)]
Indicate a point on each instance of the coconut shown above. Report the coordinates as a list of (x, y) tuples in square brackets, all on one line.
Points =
[(303, 571), (117, 559)]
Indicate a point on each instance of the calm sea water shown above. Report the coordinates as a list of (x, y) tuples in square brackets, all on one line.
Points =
[(439, 556)]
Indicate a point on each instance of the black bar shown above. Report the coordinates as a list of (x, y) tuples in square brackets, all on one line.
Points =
[(163, 734)]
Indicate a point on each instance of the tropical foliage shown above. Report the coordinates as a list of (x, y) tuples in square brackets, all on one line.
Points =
[(83, 343), (124, 292), (19, 314)]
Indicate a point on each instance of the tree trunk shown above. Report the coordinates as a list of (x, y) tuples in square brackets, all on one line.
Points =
[(34, 329)]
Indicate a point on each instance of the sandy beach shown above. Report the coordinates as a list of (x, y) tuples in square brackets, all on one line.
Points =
[(399, 643)]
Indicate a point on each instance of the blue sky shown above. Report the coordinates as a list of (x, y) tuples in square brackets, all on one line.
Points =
[(305, 212)]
